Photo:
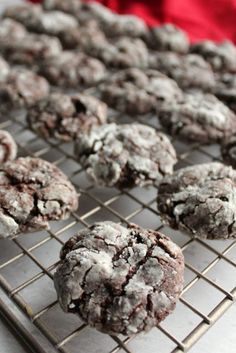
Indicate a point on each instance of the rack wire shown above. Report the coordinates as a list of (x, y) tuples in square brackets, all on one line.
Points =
[(27, 262)]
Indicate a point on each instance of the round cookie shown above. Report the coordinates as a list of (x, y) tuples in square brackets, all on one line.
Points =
[(134, 91), (70, 6), (125, 155), (11, 32), (228, 150), (125, 52), (200, 200), (4, 70), (198, 117), (72, 69), (21, 89), (35, 19), (8, 148), (32, 193), (189, 71), (221, 56), (126, 25), (65, 117), (119, 280), (169, 38), (225, 89)]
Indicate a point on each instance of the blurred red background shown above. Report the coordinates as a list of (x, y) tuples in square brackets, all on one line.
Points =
[(213, 19)]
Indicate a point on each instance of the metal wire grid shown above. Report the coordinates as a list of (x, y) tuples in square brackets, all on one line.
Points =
[(27, 262)]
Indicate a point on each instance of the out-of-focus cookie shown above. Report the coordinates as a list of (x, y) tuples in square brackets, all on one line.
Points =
[(136, 91), (65, 117), (221, 56), (189, 71), (201, 200), (8, 148), (198, 117), (125, 155), (32, 193), (225, 89), (4, 70), (109, 273), (228, 150), (21, 89), (73, 69), (168, 37)]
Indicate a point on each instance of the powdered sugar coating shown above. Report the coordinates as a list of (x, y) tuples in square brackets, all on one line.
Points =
[(4, 70), (189, 71), (200, 200), (8, 148), (134, 91), (32, 193), (65, 117), (72, 69), (198, 117), (125, 155), (119, 280), (22, 88)]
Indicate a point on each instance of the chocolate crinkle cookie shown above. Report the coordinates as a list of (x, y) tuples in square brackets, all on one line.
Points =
[(70, 6), (225, 89), (27, 49), (134, 91), (4, 70), (65, 117), (168, 38), (125, 155), (32, 193), (228, 150), (125, 52), (89, 38), (72, 69), (8, 148), (21, 89), (119, 280), (189, 71), (198, 117), (36, 20), (200, 200), (221, 56)]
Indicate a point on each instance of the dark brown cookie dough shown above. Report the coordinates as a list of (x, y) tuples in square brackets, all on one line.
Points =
[(21, 89), (200, 200), (4, 70), (36, 20), (8, 148), (228, 151), (189, 71), (73, 69), (198, 117), (26, 48), (125, 52), (134, 91), (169, 38), (119, 280), (125, 155), (32, 193), (65, 117), (225, 89), (221, 56)]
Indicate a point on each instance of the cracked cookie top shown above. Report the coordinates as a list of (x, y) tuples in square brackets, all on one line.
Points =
[(198, 117), (21, 89), (136, 91), (72, 69), (189, 71), (8, 148), (119, 280), (32, 193), (200, 200), (125, 155), (65, 117)]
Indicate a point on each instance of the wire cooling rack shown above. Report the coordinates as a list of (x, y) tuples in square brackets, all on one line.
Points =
[(27, 262)]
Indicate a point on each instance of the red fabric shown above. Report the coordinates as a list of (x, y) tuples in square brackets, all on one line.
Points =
[(213, 19)]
